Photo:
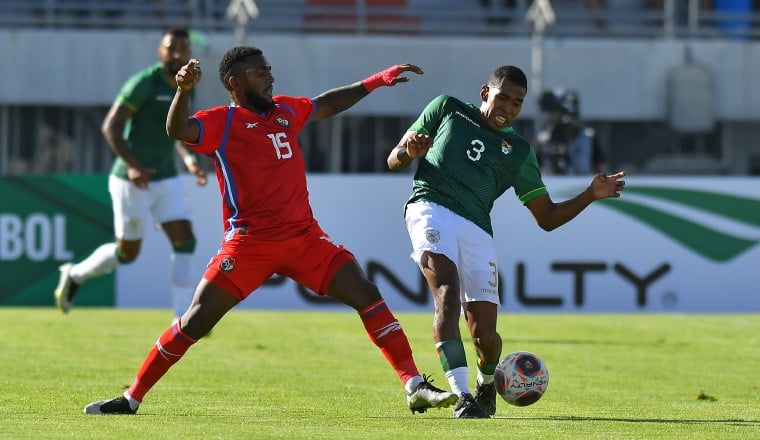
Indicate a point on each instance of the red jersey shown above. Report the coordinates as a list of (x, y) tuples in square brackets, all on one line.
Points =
[(259, 167)]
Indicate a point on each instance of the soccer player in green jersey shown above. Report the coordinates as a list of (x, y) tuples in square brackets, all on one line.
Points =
[(468, 157), (144, 178)]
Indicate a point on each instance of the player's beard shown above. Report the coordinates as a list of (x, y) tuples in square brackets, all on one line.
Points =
[(173, 67), (258, 102)]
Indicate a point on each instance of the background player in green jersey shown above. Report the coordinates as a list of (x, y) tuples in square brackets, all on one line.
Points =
[(469, 156), (144, 177)]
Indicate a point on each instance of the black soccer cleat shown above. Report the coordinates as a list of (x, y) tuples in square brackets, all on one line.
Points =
[(118, 405), (427, 396), (468, 408), (485, 395)]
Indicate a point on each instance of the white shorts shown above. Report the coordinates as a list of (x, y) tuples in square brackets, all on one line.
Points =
[(436, 229), (164, 199)]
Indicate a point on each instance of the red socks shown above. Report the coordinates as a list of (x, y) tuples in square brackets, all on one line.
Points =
[(386, 332), (168, 350), (382, 327)]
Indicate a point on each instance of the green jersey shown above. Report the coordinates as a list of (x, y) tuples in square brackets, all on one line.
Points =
[(470, 165), (148, 94)]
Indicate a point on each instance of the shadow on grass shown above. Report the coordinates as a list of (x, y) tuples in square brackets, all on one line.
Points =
[(738, 422)]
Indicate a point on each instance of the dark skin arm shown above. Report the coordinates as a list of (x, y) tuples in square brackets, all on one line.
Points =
[(336, 100), (179, 125), (328, 103), (113, 131), (550, 215)]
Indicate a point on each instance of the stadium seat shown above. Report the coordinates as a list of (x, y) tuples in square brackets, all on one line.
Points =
[(343, 16)]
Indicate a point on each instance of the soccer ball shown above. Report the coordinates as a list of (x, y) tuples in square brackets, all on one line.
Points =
[(521, 378)]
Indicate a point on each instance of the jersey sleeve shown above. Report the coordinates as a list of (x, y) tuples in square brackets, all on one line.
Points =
[(301, 108), (528, 183), (135, 91), (430, 118), (213, 124)]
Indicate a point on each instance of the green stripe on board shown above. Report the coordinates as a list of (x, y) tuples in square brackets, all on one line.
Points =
[(743, 209), (709, 243), (45, 221)]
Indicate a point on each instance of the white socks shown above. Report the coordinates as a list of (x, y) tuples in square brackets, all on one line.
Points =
[(412, 383), (458, 380), (183, 285), (133, 404), (482, 378), (101, 262)]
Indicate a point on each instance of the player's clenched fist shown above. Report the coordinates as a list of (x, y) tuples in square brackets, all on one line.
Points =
[(189, 75)]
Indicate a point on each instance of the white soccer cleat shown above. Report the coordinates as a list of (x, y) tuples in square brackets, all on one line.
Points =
[(64, 292), (427, 396)]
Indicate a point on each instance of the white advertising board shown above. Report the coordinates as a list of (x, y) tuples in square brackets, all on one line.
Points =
[(667, 245)]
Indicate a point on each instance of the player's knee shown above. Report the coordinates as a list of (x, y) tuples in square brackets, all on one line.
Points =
[(369, 291), (125, 257), (186, 246)]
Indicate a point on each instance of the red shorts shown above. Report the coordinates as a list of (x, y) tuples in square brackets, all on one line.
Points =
[(244, 263)]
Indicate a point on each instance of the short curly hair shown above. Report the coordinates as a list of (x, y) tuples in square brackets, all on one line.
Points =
[(511, 73), (234, 57)]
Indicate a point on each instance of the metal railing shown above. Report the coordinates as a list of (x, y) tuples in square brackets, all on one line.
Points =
[(675, 18), (40, 139)]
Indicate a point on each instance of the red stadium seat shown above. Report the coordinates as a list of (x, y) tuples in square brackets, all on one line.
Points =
[(342, 16)]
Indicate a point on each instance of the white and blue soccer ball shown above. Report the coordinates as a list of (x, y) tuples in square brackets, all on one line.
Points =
[(521, 378)]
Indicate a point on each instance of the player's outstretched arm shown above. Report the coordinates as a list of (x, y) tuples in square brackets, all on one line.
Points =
[(550, 215), (336, 100), (179, 125)]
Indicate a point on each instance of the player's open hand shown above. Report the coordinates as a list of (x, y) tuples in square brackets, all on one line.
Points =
[(189, 75), (606, 186), (401, 68), (390, 76)]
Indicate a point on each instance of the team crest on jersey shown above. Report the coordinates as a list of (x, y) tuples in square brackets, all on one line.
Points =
[(506, 147), (227, 265), (282, 121), (432, 236)]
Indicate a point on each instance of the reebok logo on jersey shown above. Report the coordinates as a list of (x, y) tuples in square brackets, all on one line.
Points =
[(251, 124), (282, 121), (392, 327)]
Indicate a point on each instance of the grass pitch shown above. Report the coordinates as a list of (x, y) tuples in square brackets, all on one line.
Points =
[(296, 375)]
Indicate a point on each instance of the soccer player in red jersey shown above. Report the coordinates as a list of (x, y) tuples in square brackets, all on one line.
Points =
[(268, 223)]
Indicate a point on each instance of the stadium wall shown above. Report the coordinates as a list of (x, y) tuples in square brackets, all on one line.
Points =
[(619, 79), (668, 245)]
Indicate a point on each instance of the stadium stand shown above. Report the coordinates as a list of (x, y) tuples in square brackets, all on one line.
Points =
[(370, 16), (587, 18), (38, 136)]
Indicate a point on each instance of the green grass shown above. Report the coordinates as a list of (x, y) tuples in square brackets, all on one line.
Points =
[(315, 375)]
